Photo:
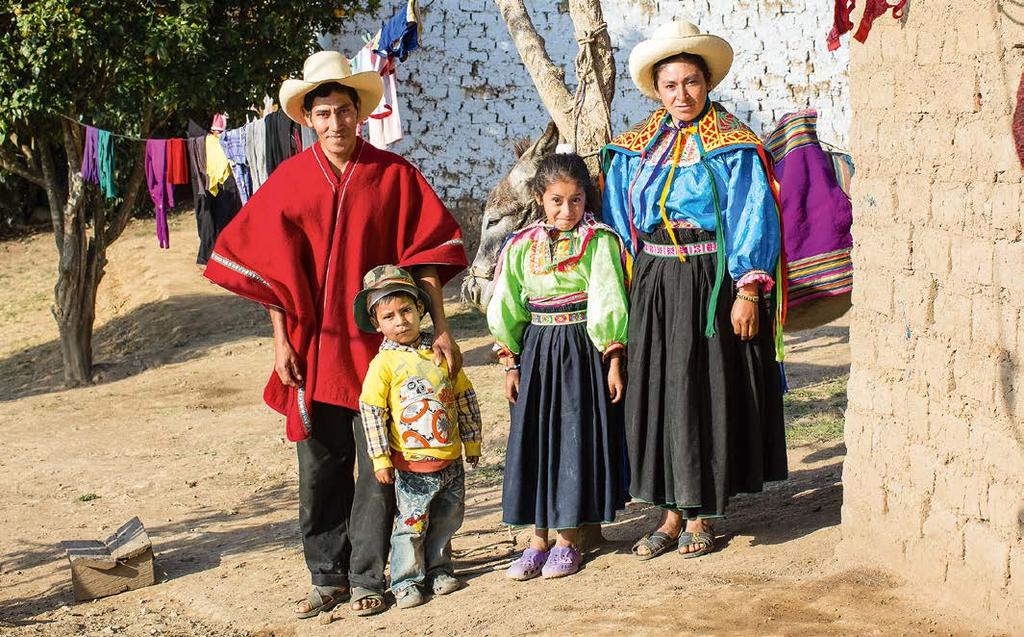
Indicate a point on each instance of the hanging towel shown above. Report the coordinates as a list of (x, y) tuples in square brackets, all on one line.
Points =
[(161, 191), (1018, 122), (399, 36), (177, 167), (218, 169), (105, 162), (875, 9), (384, 126), (233, 143), (841, 23), (256, 152), (90, 169)]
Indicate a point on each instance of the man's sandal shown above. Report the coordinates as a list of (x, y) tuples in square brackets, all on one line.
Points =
[(318, 602), (656, 543), (704, 540), (363, 596)]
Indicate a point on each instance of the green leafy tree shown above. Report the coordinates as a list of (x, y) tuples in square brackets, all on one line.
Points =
[(140, 69)]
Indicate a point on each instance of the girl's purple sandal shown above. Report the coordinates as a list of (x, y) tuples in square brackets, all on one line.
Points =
[(562, 561), (528, 566)]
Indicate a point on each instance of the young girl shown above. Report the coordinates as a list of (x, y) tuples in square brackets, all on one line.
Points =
[(558, 312)]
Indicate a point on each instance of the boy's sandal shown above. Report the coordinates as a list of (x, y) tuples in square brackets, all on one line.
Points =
[(704, 540), (375, 599), (656, 543), (317, 602)]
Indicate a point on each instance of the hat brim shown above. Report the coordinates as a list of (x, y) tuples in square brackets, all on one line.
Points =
[(361, 312), (717, 53), (367, 84)]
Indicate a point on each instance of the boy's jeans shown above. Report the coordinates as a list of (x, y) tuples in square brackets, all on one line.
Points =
[(430, 510)]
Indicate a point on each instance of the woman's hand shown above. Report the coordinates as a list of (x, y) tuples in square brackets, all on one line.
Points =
[(616, 382), (744, 315), (287, 364), (512, 385)]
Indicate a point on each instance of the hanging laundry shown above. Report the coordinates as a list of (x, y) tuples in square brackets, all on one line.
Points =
[(105, 162), (218, 169), (90, 168), (278, 139), (308, 135), (841, 22), (399, 36), (233, 143), (384, 126), (219, 123), (202, 200), (1018, 122), (256, 152), (161, 191), (177, 167), (874, 9)]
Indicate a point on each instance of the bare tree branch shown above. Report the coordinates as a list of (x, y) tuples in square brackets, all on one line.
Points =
[(11, 164), (547, 77)]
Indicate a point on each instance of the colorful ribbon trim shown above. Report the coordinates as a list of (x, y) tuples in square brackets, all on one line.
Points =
[(688, 249), (558, 318)]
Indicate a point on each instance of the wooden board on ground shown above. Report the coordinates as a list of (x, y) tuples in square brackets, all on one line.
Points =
[(124, 562)]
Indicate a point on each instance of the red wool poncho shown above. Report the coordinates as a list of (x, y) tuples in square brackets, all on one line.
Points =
[(302, 244)]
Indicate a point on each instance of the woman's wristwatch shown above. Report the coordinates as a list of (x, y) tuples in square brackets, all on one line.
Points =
[(747, 297)]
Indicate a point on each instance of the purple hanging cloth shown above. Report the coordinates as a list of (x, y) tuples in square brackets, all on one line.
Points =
[(90, 156), (161, 191), (816, 213)]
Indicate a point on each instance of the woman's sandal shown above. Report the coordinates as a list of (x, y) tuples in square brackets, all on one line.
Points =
[(656, 544), (377, 604), (705, 540), (320, 603)]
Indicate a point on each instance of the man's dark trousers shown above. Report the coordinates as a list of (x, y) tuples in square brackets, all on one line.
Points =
[(337, 512)]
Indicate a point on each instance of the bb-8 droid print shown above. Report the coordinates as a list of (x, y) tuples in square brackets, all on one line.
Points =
[(424, 419)]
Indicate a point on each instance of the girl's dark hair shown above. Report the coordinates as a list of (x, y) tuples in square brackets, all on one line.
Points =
[(326, 89), (695, 60), (564, 167)]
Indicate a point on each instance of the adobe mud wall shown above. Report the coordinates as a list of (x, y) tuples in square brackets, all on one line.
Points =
[(934, 476)]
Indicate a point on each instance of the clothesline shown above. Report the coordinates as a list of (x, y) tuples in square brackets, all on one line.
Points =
[(75, 121)]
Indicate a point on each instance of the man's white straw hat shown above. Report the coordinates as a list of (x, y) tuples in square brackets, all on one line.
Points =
[(330, 66), (673, 38)]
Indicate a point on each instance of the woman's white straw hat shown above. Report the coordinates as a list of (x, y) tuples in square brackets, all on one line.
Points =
[(673, 38), (330, 66)]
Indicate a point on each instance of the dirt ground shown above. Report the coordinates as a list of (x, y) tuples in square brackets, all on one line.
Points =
[(174, 431)]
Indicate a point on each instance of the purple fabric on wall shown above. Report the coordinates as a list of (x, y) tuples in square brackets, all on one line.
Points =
[(90, 165), (161, 191)]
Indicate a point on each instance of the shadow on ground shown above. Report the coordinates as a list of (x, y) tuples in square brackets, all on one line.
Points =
[(169, 331), (191, 545)]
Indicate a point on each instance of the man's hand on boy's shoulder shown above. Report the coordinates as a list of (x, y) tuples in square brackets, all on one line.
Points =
[(385, 475), (473, 460)]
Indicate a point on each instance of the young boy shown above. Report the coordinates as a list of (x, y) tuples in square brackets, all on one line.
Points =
[(417, 420)]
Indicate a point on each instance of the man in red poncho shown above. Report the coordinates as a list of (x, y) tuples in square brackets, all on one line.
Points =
[(300, 247)]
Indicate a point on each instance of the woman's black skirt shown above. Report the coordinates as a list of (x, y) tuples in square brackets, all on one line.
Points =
[(565, 465), (703, 416)]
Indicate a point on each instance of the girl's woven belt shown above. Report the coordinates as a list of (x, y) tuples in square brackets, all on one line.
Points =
[(558, 318), (688, 249)]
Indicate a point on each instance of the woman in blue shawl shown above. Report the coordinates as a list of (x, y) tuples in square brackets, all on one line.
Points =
[(689, 191)]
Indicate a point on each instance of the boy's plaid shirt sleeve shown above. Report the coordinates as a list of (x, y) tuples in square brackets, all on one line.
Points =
[(375, 425), (470, 422)]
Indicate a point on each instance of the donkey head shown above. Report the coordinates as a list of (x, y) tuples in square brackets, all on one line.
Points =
[(509, 207)]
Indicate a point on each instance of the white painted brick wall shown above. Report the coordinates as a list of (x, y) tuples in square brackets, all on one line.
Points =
[(464, 95)]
